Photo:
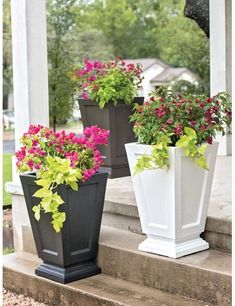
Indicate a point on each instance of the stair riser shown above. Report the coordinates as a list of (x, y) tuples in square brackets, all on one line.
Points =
[(216, 240), (49, 292), (166, 275)]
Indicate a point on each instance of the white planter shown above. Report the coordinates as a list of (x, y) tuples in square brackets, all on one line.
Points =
[(172, 204)]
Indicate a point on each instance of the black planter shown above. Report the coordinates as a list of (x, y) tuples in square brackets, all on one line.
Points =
[(116, 120), (70, 254)]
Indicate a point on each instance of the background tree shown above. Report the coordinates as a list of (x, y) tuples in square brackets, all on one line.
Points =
[(183, 44), (7, 54), (61, 38)]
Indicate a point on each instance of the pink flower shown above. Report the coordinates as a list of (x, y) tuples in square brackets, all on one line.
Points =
[(192, 123), (92, 78), (178, 129), (209, 139), (170, 121), (85, 96)]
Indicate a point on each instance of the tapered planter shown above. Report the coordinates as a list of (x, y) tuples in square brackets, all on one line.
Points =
[(116, 120), (70, 254), (172, 204)]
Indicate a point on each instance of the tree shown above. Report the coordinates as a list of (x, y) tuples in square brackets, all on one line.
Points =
[(61, 45), (92, 44), (183, 44), (7, 53)]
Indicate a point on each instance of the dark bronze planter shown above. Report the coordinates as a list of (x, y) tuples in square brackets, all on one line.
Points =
[(116, 120), (70, 254)]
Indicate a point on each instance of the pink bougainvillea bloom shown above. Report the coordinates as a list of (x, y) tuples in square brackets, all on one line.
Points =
[(92, 78), (85, 96)]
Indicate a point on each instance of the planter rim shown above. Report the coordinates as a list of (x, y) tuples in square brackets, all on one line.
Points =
[(110, 103), (33, 174), (140, 145)]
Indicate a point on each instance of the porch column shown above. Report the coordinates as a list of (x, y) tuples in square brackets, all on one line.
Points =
[(30, 85), (221, 57)]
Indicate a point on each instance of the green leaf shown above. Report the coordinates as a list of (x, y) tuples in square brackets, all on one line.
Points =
[(58, 220), (42, 193), (201, 162), (190, 132), (43, 182), (45, 203), (57, 198), (74, 186), (182, 142), (202, 149), (36, 210)]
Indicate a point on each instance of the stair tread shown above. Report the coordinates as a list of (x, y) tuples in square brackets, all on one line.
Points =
[(209, 260), (109, 290)]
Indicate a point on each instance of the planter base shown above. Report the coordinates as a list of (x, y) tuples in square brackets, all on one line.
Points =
[(68, 274), (168, 247), (115, 172)]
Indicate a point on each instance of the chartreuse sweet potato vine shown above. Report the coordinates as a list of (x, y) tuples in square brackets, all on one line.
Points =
[(58, 172), (59, 158), (185, 122)]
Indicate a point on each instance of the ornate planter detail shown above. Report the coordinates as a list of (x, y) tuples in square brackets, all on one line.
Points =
[(116, 120), (172, 204), (70, 254)]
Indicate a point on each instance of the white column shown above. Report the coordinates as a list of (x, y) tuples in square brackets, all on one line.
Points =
[(30, 77), (221, 57), (30, 85)]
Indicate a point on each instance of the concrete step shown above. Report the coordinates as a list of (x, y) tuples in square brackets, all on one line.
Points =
[(202, 276), (120, 210), (99, 290)]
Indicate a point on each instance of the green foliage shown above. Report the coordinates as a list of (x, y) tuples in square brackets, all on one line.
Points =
[(7, 177), (92, 44), (58, 172), (114, 87), (7, 52), (187, 122), (61, 35), (186, 45), (158, 157), (189, 144)]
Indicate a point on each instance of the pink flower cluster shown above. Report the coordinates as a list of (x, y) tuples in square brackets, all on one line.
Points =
[(171, 113), (39, 142)]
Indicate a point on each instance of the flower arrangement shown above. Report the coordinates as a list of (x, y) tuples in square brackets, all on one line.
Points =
[(59, 158), (105, 82), (188, 122)]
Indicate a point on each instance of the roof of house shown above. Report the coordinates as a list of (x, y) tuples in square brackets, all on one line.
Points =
[(167, 74), (171, 73), (146, 62)]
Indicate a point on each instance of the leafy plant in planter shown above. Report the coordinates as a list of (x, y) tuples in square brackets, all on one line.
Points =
[(106, 94), (172, 168), (188, 122), (63, 169), (107, 82)]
